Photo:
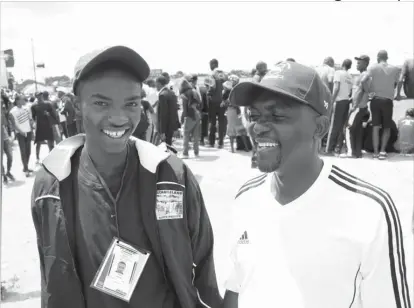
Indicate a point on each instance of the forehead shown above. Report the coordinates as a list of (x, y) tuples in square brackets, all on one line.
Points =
[(266, 100), (111, 83)]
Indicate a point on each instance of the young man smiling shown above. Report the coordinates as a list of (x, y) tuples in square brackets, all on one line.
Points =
[(318, 231), (105, 198)]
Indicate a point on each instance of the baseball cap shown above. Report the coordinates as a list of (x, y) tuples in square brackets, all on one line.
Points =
[(288, 79), (362, 58), (120, 54)]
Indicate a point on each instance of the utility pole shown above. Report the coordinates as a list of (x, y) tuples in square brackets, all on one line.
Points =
[(34, 65)]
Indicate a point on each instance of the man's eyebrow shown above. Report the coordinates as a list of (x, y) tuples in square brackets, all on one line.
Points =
[(132, 98), (100, 96)]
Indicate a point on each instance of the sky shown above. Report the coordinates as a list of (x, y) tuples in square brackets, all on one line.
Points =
[(184, 36)]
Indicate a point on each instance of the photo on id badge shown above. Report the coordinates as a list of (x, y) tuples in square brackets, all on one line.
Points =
[(169, 201), (120, 270)]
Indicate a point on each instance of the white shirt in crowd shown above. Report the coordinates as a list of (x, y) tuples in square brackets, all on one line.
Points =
[(326, 73), (21, 117), (345, 81), (151, 93), (341, 243)]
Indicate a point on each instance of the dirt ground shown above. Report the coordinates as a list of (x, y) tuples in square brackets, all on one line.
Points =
[(220, 174)]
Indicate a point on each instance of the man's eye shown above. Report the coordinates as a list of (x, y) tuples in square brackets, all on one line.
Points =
[(100, 103), (132, 104)]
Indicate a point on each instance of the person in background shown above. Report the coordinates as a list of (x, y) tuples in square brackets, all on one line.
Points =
[(191, 116), (406, 80), (62, 117), (216, 110), (151, 92), (6, 142), (144, 130), (340, 101), (235, 126), (23, 126), (359, 112), (405, 142), (327, 72), (204, 114), (384, 79), (55, 121), (168, 78), (70, 113), (45, 117), (167, 116), (261, 70)]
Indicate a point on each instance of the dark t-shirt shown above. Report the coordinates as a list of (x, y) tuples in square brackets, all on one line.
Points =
[(96, 227)]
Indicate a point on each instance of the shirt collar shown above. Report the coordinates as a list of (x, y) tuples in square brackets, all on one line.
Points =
[(58, 162)]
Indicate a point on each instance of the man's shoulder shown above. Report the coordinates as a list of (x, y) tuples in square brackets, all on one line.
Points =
[(44, 183), (360, 194), (251, 186)]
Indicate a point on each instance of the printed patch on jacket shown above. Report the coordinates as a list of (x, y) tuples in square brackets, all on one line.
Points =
[(169, 204)]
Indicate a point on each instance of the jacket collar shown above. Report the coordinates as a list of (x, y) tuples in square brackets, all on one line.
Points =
[(58, 162)]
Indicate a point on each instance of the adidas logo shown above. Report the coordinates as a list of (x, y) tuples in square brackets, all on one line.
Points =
[(244, 239)]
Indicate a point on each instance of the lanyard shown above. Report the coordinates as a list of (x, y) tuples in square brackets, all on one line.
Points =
[(114, 201)]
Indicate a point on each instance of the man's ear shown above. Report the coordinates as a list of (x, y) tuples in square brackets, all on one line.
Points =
[(322, 126)]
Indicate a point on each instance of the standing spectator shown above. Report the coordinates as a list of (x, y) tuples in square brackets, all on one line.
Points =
[(359, 112), (62, 117), (191, 116), (406, 79), (22, 123), (204, 114), (6, 142), (167, 117), (70, 113), (55, 121), (215, 109), (151, 92), (261, 70), (144, 130), (235, 126), (340, 101), (384, 80), (44, 117), (327, 72)]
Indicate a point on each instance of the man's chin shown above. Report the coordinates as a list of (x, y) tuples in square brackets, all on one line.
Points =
[(268, 162)]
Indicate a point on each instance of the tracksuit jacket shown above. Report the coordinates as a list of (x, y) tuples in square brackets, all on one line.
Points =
[(187, 261)]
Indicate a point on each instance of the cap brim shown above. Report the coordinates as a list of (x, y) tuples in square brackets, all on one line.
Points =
[(120, 54), (243, 93)]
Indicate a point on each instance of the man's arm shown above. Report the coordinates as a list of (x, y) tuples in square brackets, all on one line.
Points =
[(231, 300), (336, 87), (202, 242), (384, 268), (37, 221)]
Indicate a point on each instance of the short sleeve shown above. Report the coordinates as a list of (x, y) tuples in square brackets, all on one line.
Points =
[(331, 74), (337, 76)]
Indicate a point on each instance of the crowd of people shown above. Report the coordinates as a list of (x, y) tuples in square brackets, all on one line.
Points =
[(122, 222), (361, 111)]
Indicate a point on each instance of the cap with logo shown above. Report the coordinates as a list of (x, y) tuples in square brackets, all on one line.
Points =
[(121, 54), (362, 58), (287, 79)]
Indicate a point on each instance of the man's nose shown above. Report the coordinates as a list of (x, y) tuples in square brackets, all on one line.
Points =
[(118, 117), (259, 128)]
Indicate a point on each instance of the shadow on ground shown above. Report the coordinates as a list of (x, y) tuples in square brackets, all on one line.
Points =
[(12, 297), (13, 184)]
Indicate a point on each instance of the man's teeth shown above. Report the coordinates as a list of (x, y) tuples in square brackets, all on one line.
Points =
[(115, 134), (268, 144)]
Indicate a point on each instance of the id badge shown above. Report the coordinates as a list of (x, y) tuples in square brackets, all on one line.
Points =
[(120, 270)]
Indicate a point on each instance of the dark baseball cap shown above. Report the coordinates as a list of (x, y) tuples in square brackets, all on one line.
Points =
[(362, 58), (288, 79), (121, 54)]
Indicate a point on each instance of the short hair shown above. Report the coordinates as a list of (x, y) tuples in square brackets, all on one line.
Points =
[(347, 64), (260, 64), (214, 62), (32, 99), (45, 95), (290, 60), (108, 66), (162, 80), (166, 75)]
